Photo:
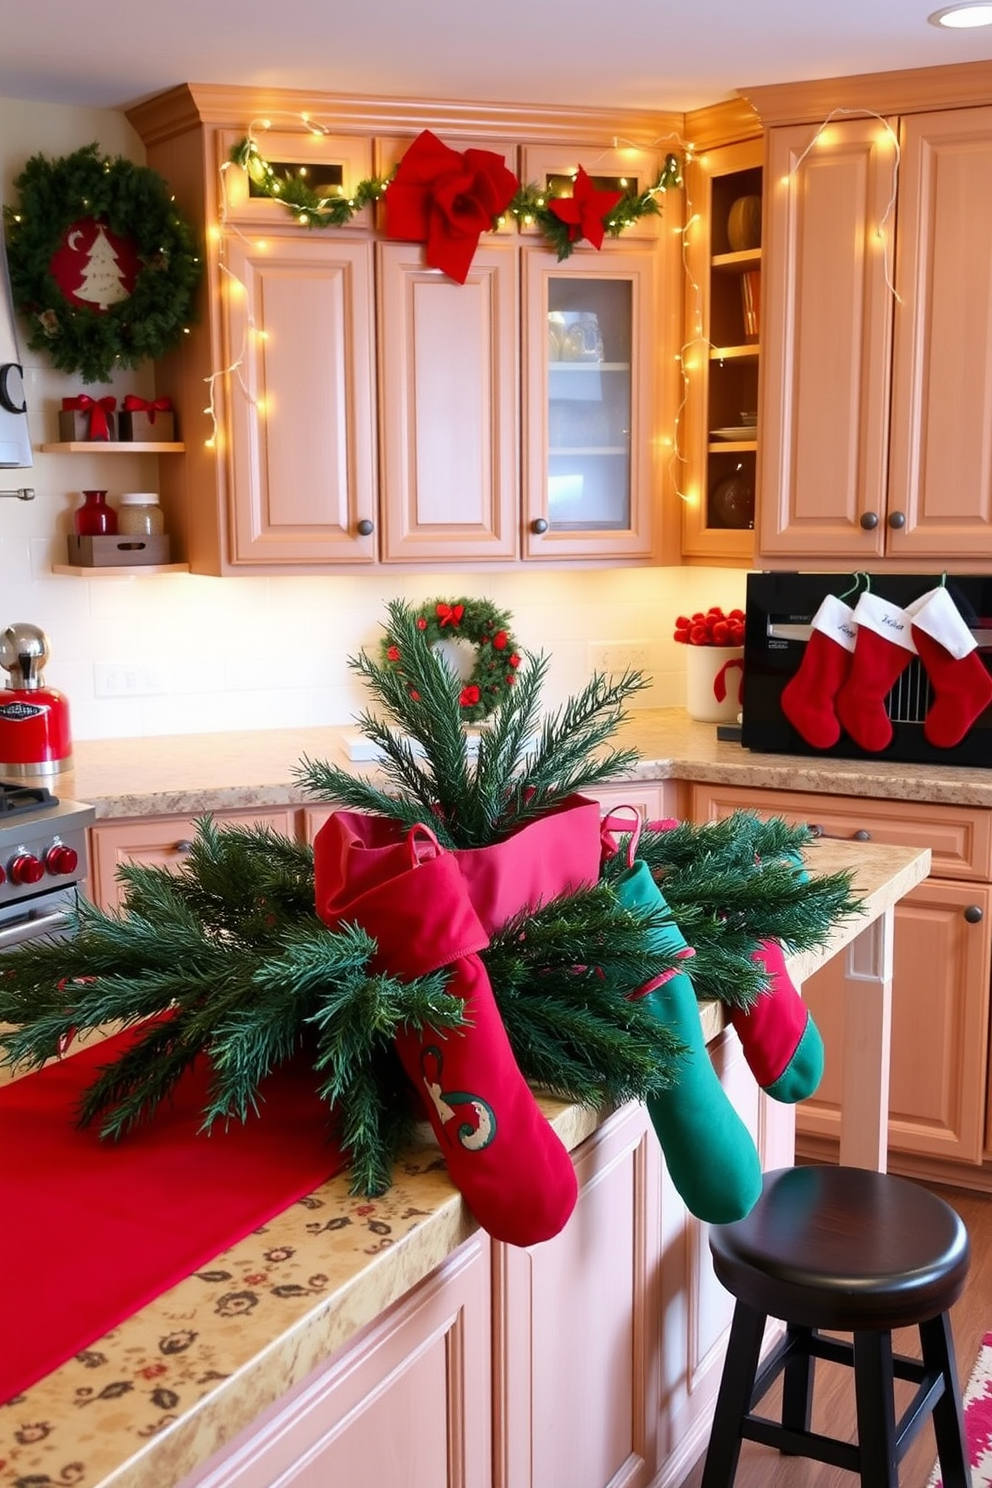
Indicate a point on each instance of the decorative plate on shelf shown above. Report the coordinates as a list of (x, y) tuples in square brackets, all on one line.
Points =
[(738, 432)]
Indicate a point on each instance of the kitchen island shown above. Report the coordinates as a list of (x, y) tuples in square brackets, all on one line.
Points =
[(251, 1350)]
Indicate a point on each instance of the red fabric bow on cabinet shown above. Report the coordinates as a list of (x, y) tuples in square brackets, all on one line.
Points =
[(446, 200)]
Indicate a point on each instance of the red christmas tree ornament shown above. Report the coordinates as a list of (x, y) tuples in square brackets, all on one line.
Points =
[(446, 200), (583, 212)]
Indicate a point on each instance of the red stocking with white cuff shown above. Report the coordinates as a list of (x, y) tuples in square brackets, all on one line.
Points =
[(883, 649), (960, 682), (808, 697)]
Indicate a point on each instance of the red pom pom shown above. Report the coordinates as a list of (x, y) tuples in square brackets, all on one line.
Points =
[(721, 633), (699, 636)]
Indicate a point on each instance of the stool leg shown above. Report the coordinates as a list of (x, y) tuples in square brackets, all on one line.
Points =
[(948, 1415), (797, 1381), (734, 1399), (874, 1394)]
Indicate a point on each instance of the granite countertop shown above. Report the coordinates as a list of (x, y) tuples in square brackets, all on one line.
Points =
[(159, 1395), (185, 774)]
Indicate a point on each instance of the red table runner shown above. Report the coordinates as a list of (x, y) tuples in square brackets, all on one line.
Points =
[(92, 1230)]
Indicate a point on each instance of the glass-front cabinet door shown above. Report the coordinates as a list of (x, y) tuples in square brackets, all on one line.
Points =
[(589, 404)]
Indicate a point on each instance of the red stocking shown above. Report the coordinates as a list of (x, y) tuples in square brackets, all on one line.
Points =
[(808, 698), (882, 651), (511, 1168), (961, 684), (781, 1043)]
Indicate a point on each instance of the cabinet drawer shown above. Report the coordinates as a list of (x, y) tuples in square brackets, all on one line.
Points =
[(959, 837), (161, 842)]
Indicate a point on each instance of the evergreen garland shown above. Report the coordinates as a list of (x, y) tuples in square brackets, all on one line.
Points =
[(529, 205), (136, 204), (227, 958)]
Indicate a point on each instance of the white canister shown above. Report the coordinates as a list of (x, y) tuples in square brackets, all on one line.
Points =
[(714, 682)]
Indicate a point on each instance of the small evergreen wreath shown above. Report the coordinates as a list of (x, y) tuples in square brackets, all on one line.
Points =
[(123, 298), (488, 629)]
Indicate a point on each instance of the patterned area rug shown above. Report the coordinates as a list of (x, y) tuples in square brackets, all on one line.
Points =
[(977, 1420)]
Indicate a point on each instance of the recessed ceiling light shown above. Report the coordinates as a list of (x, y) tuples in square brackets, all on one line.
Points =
[(962, 17)]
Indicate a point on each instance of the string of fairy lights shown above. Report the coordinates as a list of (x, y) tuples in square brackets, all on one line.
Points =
[(697, 348)]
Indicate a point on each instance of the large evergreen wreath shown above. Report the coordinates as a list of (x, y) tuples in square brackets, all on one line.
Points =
[(77, 197)]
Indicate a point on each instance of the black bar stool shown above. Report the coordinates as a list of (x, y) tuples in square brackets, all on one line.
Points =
[(859, 1252)]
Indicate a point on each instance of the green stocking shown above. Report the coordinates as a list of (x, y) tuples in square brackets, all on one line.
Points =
[(708, 1150)]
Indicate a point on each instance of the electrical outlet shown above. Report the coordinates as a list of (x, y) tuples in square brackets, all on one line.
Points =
[(615, 657), (112, 679)]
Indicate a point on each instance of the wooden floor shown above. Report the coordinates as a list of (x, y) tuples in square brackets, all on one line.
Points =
[(833, 1411)]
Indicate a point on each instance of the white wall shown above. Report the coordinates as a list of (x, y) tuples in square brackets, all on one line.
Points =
[(263, 652)]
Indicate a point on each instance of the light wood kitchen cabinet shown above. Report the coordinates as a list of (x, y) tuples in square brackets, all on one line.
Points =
[(876, 371), (942, 969), (406, 1404), (720, 357), (298, 321), (589, 1361), (449, 405), (589, 401), (368, 411), (161, 842)]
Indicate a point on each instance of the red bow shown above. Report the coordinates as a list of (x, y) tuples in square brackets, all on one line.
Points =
[(97, 408), (584, 210), (450, 614), (133, 404), (447, 200)]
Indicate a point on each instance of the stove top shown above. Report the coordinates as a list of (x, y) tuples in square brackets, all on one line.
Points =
[(43, 842), (16, 798)]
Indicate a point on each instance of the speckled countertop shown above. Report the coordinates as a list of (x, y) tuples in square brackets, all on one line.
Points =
[(158, 1396), (186, 774)]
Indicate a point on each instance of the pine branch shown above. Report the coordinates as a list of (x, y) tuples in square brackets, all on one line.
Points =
[(561, 763)]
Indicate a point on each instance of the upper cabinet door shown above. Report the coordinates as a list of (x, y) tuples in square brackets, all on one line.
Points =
[(298, 323), (940, 469), (826, 332), (589, 439), (448, 408)]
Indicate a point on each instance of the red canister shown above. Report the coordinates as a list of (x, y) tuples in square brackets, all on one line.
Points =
[(35, 734)]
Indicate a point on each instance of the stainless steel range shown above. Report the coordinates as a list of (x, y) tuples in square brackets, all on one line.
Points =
[(43, 861)]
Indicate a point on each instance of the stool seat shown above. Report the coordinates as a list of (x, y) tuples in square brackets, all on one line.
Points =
[(844, 1248), (853, 1251)]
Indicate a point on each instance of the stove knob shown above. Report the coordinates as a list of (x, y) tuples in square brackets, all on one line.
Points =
[(61, 859), (27, 869)]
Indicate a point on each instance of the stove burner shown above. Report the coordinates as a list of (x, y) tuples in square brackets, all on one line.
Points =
[(18, 798)]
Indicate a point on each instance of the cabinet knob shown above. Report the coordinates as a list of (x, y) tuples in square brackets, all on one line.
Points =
[(973, 914), (365, 528), (539, 525), (184, 845), (869, 521), (862, 835), (897, 520)]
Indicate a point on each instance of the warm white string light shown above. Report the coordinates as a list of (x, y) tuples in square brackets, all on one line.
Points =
[(880, 228)]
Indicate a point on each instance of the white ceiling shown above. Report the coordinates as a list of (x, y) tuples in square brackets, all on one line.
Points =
[(628, 53)]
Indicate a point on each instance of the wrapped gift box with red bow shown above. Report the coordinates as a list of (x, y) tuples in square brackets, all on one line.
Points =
[(147, 420), (87, 420)]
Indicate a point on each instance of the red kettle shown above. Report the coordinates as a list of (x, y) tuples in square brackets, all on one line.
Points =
[(35, 737)]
